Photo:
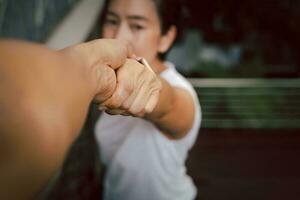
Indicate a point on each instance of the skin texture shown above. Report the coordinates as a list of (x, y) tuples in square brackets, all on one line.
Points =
[(136, 102), (45, 95), (137, 23)]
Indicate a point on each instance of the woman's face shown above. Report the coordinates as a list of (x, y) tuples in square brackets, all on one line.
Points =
[(137, 22)]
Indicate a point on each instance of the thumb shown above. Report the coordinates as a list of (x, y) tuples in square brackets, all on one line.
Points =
[(130, 52), (111, 52)]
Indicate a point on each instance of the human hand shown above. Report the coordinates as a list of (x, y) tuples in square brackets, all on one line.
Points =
[(102, 57), (137, 90)]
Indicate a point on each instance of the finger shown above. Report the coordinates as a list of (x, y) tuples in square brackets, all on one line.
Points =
[(119, 96), (102, 108), (115, 112), (106, 83), (130, 52), (119, 54), (129, 101), (125, 113), (133, 75), (153, 100), (140, 102)]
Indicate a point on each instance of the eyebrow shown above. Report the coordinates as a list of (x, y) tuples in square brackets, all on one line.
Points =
[(131, 17), (112, 13), (137, 17)]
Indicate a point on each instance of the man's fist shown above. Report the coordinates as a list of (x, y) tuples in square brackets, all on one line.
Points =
[(137, 90)]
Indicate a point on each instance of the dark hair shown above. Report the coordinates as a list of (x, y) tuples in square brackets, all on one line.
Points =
[(170, 13)]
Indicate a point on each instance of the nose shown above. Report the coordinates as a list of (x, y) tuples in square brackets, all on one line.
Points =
[(124, 33)]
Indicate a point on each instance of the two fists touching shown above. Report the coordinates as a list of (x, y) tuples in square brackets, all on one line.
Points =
[(123, 85)]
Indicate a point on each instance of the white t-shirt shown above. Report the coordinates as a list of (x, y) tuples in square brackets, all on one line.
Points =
[(142, 164)]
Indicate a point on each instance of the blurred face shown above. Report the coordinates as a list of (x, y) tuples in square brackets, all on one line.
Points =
[(137, 22)]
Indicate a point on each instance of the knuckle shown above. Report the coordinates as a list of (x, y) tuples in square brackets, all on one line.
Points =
[(134, 110), (141, 113), (130, 63), (126, 106), (114, 103), (128, 89)]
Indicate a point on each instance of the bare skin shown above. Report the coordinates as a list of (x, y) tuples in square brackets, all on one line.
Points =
[(137, 22), (44, 100)]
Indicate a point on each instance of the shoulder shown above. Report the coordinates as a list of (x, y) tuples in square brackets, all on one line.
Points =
[(174, 77)]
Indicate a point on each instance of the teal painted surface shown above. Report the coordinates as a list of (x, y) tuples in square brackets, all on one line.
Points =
[(32, 19)]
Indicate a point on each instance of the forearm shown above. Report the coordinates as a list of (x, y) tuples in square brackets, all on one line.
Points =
[(44, 99), (141, 93), (174, 112)]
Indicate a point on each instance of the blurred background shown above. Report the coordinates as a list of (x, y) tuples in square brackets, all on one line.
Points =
[(243, 58)]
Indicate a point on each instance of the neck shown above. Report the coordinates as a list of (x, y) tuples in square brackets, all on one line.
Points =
[(158, 66)]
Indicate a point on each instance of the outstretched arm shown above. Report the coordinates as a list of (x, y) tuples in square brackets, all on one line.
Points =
[(172, 111), (44, 99)]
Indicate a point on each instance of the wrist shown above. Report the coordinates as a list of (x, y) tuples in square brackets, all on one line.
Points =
[(165, 102)]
